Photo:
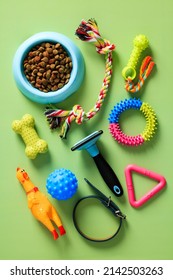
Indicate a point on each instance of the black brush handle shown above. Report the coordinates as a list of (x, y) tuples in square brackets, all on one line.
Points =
[(108, 175)]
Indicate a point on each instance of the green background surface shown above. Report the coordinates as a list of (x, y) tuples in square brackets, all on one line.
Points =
[(148, 232)]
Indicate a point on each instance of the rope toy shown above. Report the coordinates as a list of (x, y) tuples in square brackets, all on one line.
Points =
[(149, 114), (88, 32), (129, 72)]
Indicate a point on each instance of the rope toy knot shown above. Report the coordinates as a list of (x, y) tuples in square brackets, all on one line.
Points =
[(78, 113), (106, 48), (88, 31)]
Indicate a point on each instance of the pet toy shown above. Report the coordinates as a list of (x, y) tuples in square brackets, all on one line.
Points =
[(129, 72), (106, 202), (25, 127), (88, 32), (39, 205), (110, 178), (149, 114), (61, 184), (131, 194)]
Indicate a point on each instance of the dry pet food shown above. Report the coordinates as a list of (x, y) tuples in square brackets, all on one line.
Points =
[(48, 66)]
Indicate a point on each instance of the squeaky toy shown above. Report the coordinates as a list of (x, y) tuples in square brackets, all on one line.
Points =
[(39, 205)]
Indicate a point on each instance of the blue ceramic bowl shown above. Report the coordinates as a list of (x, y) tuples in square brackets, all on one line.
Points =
[(76, 76)]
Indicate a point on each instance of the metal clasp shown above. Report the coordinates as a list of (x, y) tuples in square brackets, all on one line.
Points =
[(119, 214), (109, 201)]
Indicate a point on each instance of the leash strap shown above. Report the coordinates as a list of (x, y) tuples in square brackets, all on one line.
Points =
[(109, 204)]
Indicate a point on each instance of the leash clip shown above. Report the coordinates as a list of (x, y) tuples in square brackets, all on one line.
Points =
[(119, 214)]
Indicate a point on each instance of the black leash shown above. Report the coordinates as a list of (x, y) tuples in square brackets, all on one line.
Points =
[(108, 203)]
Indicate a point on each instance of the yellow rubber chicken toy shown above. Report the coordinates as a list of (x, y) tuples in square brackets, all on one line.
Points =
[(39, 204)]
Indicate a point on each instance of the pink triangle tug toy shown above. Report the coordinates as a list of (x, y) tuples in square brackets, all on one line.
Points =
[(130, 188), (39, 205)]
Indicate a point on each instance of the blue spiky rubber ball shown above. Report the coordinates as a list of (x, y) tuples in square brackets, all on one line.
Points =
[(61, 184)]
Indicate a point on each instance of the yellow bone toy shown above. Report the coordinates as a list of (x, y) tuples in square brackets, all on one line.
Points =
[(39, 205), (140, 44), (25, 127)]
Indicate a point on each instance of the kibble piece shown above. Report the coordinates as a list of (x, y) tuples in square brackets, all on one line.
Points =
[(39, 74), (52, 66), (60, 85), (48, 74), (37, 58), (55, 52), (44, 82), (47, 45), (41, 49), (45, 59), (57, 46), (35, 71), (45, 54), (51, 61), (42, 64), (42, 70), (49, 50)]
